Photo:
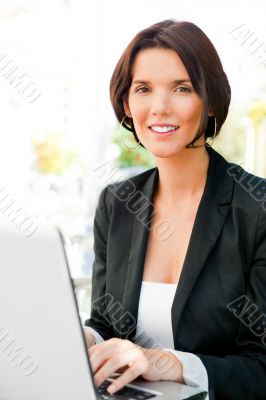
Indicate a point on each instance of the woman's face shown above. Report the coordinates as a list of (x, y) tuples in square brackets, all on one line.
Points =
[(166, 110)]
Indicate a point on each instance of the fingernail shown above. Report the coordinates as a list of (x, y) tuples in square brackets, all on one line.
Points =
[(111, 389)]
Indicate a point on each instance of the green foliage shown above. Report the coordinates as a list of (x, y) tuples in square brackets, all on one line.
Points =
[(137, 157)]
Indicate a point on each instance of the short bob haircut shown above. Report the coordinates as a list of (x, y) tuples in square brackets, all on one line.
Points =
[(200, 60)]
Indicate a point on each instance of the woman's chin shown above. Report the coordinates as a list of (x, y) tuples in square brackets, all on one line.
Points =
[(166, 151)]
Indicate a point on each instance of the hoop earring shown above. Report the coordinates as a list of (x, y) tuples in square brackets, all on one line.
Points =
[(122, 133), (214, 134)]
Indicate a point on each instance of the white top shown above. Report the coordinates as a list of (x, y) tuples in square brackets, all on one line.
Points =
[(154, 327)]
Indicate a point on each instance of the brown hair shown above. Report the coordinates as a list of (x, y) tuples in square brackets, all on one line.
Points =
[(200, 60)]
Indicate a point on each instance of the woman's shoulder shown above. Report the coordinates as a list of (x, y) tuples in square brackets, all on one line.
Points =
[(137, 180), (124, 189), (247, 186)]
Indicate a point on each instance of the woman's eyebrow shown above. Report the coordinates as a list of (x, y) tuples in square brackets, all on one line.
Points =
[(175, 82)]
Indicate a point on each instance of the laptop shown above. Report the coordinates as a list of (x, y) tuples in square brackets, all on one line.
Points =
[(43, 352)]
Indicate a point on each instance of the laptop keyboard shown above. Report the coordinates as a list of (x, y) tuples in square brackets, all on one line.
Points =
[(126, 393)]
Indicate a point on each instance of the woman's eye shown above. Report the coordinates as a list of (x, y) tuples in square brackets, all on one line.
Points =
[(183, 89), (141, 89)]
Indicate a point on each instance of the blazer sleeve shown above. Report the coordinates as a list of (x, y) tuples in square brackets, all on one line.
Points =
[(242, 376), (98, 318)]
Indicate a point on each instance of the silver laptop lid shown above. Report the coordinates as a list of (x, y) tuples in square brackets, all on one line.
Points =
[(42, 349)]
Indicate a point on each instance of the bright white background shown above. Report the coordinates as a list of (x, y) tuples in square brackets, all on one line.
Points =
[(70, 50)]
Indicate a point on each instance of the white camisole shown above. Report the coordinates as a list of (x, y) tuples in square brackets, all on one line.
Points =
[(154, 325)]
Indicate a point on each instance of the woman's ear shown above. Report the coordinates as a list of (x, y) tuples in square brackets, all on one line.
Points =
[(126, 108)]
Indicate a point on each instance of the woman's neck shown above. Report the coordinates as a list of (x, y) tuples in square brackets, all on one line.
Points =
[(182, 177)]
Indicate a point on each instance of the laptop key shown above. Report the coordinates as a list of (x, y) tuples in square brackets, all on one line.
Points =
[(126, 393)]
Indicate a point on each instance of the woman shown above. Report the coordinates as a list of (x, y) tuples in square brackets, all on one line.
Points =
[(180, 250)]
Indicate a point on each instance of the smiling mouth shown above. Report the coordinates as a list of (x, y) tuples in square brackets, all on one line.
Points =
[(164, 132)]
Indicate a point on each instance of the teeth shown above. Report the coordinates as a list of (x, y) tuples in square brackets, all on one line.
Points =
[(163, 128)]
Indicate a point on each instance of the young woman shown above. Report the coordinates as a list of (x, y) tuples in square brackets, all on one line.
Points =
[(180, 250)]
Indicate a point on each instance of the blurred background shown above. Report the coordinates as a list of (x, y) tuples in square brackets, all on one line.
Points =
[(60, 141)]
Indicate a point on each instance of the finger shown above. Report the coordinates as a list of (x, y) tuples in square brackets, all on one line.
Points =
[(136, 369), (100, 353), (107, 343), (93, 348), (113, 364), (107, 350)]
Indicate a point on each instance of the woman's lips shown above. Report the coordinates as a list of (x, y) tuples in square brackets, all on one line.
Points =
[(163, 134)]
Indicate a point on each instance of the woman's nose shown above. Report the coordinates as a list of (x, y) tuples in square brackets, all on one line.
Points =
[(160, 104)]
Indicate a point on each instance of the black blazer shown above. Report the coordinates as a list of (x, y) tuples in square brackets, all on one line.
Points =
[(219, 308)]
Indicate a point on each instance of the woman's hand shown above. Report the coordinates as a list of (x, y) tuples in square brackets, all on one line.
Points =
[(125, 357), (90, 341)]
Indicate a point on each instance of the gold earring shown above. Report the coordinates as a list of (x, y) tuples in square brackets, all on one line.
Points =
[(209, 144), (123, 137)]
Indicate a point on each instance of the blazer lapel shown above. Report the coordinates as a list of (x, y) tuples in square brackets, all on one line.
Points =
[(209, 221), (137, 253), (211, 216)]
